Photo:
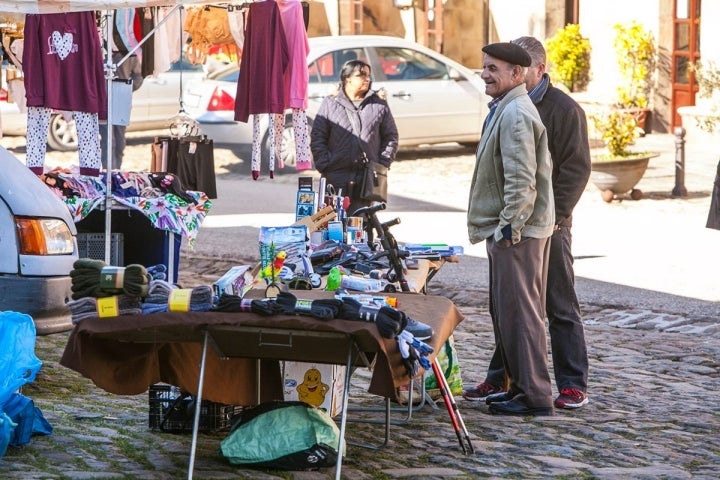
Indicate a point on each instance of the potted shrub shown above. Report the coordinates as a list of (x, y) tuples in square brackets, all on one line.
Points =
[(636, 57), (568, 53), (618, 169)]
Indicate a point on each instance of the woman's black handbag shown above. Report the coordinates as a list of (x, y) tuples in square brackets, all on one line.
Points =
[(371, 179)]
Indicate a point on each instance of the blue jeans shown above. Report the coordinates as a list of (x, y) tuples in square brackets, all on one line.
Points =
[(567, 334)]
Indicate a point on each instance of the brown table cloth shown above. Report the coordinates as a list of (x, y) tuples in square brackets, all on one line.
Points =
[(124, 355)]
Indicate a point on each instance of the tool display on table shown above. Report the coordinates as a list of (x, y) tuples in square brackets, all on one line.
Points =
[(387, 241)]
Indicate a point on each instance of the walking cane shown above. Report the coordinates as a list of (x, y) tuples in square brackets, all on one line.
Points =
[(455, 418)]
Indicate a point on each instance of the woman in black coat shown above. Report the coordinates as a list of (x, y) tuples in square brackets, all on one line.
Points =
[(352, 120)]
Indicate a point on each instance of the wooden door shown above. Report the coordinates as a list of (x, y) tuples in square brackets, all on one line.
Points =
[(686, 51)]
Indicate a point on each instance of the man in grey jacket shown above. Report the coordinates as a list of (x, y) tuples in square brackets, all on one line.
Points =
[(511, 207), (568, 142)]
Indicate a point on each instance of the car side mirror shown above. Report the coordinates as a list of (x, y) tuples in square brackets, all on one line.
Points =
[(455, 75)]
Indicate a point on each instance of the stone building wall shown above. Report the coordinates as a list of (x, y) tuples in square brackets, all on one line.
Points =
[(465, 33)]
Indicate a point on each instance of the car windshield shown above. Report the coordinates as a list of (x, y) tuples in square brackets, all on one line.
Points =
[(327, 68), (184, 65), (228, 74), (407, 64)]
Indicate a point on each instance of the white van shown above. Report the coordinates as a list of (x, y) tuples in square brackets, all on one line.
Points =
[(38, 247)]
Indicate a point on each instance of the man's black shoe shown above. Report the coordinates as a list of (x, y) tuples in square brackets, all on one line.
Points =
[(498, 397), (513, 407)]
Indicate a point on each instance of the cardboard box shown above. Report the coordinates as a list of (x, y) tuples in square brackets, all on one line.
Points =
[(235, 281), (320, 385), (292, 239)]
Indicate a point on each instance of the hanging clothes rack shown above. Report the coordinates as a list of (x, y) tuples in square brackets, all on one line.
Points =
[(108, 7), (110, 68)]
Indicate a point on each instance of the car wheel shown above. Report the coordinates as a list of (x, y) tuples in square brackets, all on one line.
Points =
[(62, 135)]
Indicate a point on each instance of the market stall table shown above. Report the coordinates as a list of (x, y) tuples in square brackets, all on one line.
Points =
[(124, 355)]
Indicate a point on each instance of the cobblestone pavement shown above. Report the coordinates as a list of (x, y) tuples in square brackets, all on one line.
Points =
[(653, 414)]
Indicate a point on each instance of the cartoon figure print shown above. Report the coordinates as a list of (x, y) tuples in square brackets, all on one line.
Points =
[(312, 391)]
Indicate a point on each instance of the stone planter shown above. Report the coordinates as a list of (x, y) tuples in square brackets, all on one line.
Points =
[(695, 117), (616, 177)]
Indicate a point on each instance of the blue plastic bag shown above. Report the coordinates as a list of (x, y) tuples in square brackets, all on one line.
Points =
[(7, 426), (18, 362), (28, 418)]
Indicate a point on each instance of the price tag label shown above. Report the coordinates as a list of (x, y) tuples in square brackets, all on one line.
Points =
[(108, 307), (112, 278), (179, 300)]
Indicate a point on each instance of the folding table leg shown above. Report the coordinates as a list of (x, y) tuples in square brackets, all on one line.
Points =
[(198, 405), (387, 409), (343, 415)]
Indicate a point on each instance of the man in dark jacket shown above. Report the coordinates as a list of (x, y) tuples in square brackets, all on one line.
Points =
[(570, 151)]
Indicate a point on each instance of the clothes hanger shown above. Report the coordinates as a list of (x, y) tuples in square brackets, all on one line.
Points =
[(199, 138), (182, 124)]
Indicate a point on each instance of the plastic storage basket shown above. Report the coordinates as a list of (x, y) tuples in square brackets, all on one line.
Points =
[(172, 410), (92, 245)]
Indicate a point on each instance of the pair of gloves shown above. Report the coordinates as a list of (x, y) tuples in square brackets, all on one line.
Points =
[(413, 352)]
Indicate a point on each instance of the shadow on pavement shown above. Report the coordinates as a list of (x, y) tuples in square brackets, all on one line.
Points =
[(471, 273), (397, 203), (445, 150), (669, 196), (243, 154), (659, 195)]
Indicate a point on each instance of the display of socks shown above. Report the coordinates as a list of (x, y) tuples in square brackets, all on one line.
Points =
[(158, 297), (86, 307), (389, 321), (324, 309), (234, 303), (87, 275), (157, 272)]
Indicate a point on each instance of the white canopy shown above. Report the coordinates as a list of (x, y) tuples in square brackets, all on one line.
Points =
[(61, 6)]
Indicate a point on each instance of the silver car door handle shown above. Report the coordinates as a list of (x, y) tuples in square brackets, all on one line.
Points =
[(402, 95), (316, 97)]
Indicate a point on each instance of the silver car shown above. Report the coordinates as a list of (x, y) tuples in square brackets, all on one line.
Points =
[(153, 105), (434, 99), (39, 247)]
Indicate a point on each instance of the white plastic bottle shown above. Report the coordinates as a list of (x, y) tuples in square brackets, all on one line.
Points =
[(361, 284)]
